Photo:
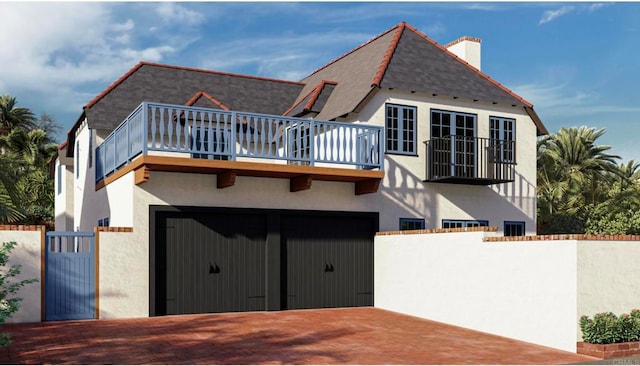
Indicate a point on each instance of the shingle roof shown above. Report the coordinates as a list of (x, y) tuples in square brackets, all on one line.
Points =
[(177, 85), (401, 58), (204, 100), (314, 101), (406, 59)]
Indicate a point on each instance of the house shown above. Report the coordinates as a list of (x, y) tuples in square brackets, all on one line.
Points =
[(249, 193)]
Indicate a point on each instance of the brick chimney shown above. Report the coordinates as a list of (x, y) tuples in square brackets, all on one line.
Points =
[(467, 48)]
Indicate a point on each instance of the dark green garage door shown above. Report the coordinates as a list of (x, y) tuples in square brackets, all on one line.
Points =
[(206, 260)]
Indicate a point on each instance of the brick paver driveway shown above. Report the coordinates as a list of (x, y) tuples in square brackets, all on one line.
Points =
[(329, 336)]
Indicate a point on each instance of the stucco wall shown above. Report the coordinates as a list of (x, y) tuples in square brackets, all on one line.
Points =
[(123, 282), (522, 290), (608, 277), (410, 196), (28, 254), (63, 195)]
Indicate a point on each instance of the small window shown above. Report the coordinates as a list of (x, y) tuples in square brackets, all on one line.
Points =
[(59, 178), (450, 224), (514, 228), (90, 149), (77, 167), (411, 224), (401, 129), (104, 222)]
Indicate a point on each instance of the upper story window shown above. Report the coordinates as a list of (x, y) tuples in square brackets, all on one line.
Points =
[(59, 178), (444, 123), (90, 149), (401, 128), (502, 139), (77, 167)]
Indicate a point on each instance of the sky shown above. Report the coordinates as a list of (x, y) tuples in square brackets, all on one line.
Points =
[(577, 63)]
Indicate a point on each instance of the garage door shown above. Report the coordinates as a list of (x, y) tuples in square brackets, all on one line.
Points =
[(329, 261), (209, 263), (206, 260)]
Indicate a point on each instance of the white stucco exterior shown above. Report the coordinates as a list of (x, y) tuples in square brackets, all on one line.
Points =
[(28, 254), (533, 291), (468, 49)]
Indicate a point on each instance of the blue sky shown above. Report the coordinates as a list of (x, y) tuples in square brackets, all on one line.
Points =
[(578, 63)]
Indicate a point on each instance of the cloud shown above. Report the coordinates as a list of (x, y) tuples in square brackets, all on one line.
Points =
[(298, 54), (550, 15), (558, 100), (596, 6), (59, 55), (172, 12)]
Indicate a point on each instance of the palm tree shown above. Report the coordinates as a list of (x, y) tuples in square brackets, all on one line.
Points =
[(12, 117), (572, 156), (34, 148), (9, 194)]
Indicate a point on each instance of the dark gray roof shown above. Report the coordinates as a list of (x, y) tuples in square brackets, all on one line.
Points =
[(177, 85), (314, 101), (422, 66), (405, 59), (354, 74)]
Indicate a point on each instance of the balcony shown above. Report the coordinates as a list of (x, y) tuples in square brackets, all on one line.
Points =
[(162, 137), (470, 160)]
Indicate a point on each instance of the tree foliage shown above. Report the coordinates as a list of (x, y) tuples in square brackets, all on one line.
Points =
[(582, 188), (26, 146)]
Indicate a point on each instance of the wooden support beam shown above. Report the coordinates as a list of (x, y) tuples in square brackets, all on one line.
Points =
[(367, 186), (142, 175), (226, 178), (300, 183)]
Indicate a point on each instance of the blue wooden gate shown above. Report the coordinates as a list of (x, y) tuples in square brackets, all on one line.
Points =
[(70, 276)]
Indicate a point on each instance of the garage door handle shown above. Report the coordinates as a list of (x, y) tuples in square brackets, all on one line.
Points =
[(213, 268), (328, 267)]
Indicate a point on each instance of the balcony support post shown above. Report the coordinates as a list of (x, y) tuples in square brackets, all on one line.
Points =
[(226, 179), (367, 186), (141, 175), (300, 183)]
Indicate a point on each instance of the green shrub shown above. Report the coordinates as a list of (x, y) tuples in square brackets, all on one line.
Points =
[(9, 287), (606, 328)]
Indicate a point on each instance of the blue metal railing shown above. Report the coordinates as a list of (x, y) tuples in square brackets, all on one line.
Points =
[(194, 132)]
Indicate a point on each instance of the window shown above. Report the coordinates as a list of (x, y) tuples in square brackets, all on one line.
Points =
[(450, 224), (501, 139), (411, 224), (77, 167), (104, 222), (453, 143), (401, 129), (514, 228), (59, 178), (90, 149)]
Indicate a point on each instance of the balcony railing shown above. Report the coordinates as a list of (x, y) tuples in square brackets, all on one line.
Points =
[(470, 160), (202, 133)]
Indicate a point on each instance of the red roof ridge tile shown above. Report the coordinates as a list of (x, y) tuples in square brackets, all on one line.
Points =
[(108, 89), (485, 76), (211, 98), (62, 145), (357, 48), (387, 56)]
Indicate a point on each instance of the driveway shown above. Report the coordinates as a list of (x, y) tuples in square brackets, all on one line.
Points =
[(326, 336)]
